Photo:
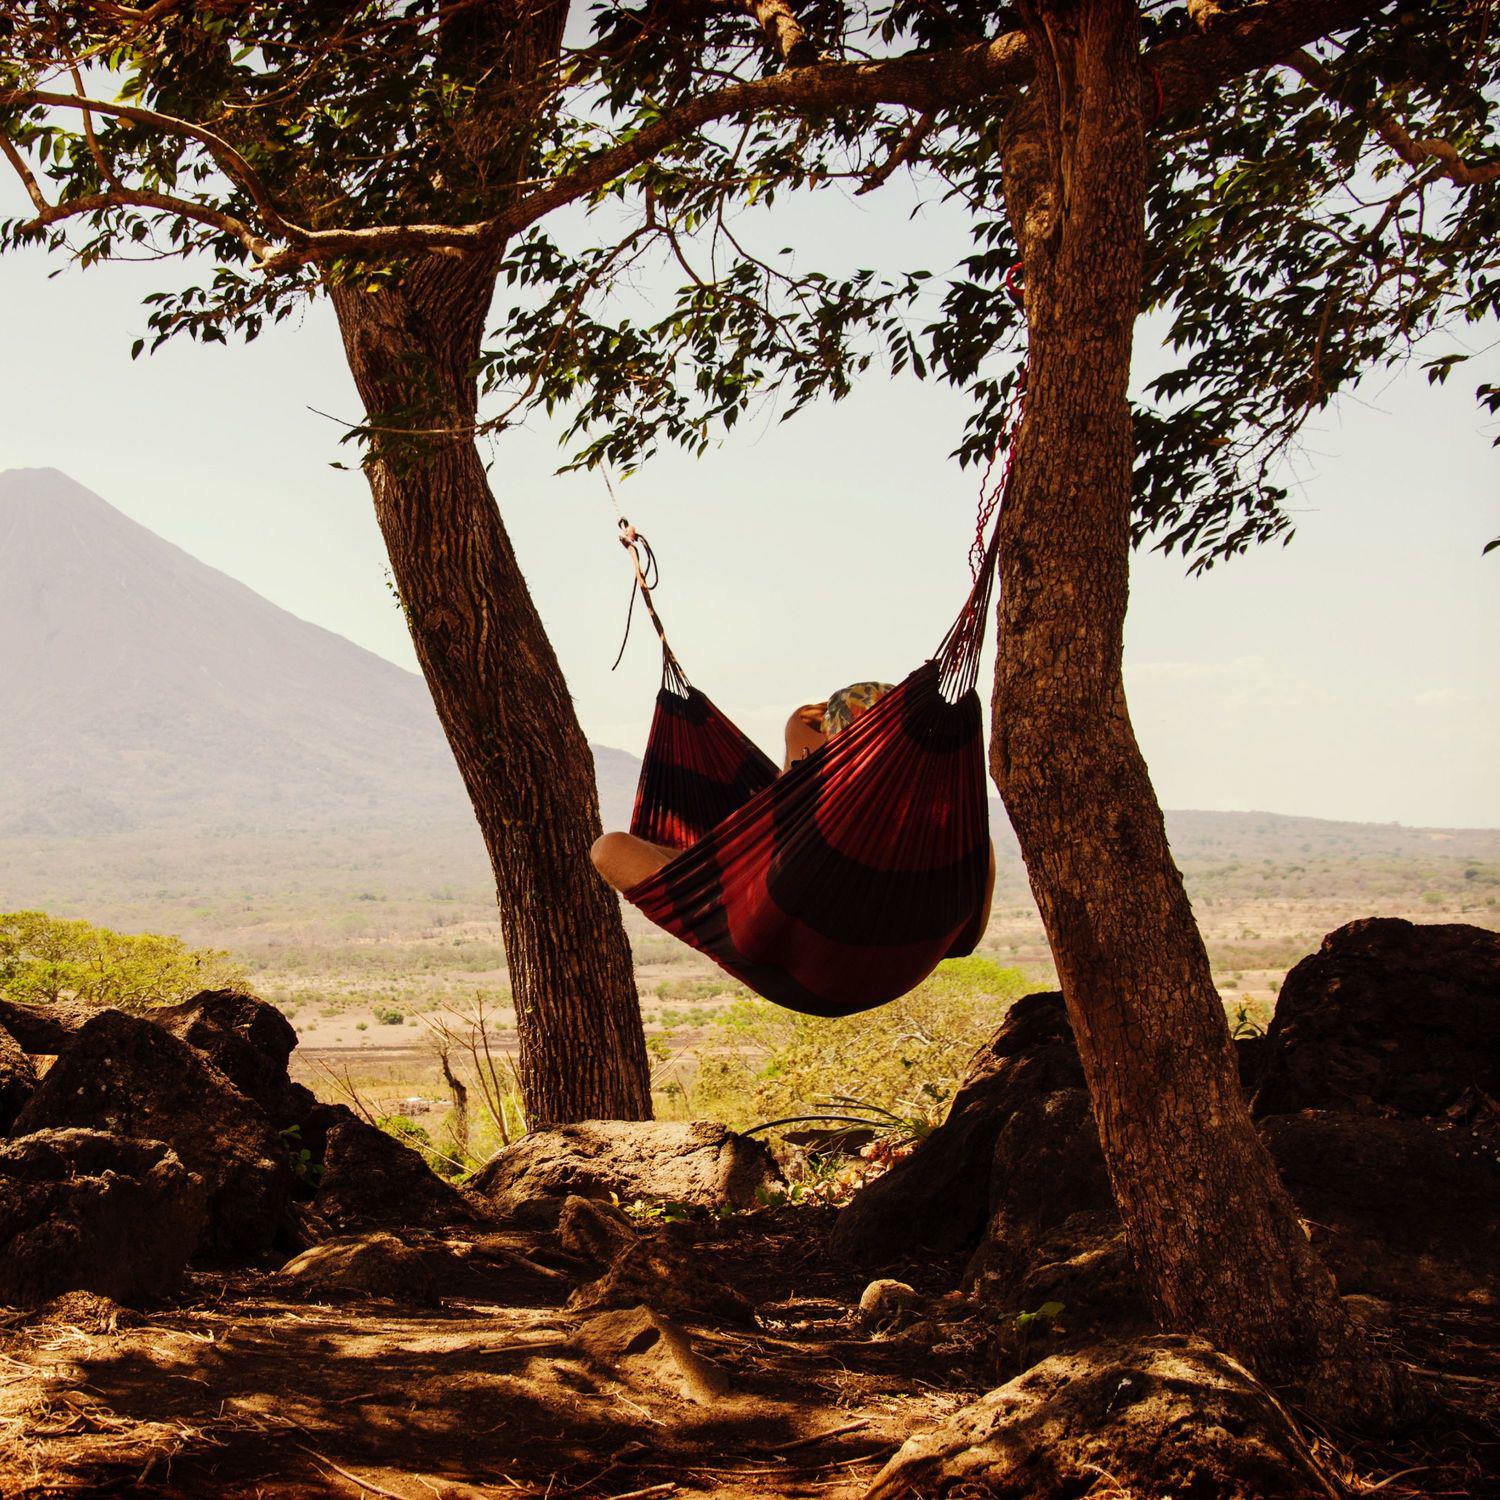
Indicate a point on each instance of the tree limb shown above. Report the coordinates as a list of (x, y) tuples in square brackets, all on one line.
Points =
[(902, 152), (1188, 71), (779, 23), (234, 166), (1441, 155), (28, 178)]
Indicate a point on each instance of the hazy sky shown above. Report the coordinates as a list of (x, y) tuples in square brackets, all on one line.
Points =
[(1350, 675)]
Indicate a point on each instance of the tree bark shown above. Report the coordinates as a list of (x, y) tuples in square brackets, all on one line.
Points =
[(1213, 1232), (411, 343)]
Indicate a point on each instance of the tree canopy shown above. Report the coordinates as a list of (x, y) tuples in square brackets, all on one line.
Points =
[(46, 959), (1322, 202)]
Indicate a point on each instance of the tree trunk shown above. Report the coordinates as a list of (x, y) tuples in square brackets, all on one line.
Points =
[(1213, 1232), (411, 344)]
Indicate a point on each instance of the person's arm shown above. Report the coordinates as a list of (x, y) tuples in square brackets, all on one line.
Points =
[(804, 733)]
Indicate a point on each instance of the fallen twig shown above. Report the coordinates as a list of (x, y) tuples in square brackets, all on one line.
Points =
[(364, 1484), (818, 1437)]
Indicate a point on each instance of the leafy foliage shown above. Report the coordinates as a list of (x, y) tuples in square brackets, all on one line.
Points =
[(907, 1057), (46, 959), (1313, 225)]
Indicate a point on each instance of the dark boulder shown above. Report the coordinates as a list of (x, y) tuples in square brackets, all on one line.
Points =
[(1046, 1171), (699, 1163), (938, 1198), (1399, 1204), (246, 1039), (44, 1030), (126, 1075), (594, 1231), (1388, 1016), (1164, 1415), (17, 1080), (84, 1211), (370, 1180), (1397, 1207)]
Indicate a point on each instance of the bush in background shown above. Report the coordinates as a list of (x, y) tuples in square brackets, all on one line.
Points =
[(47, 959), (900, 1062)]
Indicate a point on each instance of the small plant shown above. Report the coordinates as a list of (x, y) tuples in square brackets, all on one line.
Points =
[(1245, 1025), (304, 1169), (388, 1015), (666, 1212), (1012, 1347)]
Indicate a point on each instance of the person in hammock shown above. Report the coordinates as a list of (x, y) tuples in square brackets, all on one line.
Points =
[(625, 861)]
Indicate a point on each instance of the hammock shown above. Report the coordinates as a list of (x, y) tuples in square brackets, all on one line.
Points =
[(842, 884)]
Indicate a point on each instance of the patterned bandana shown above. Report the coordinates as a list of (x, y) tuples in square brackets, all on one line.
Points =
[(846, 705)]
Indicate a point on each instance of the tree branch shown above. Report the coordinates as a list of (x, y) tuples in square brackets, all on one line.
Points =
[(902, 152), (183, 208), (1442, 155), (28, 178), (1188, 70), (106, 173), (234, 166), (779, 23)]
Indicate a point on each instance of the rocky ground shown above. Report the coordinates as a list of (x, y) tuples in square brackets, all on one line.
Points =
[(221, 1287)]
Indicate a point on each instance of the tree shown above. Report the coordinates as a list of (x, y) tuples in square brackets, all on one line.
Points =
[(45, 960), (1112, 157), (1298, 234), (229, 127)]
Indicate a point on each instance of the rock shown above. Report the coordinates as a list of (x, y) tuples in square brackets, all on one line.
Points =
[(86, 1310), (642, 1348), (888, 1304), (938, 1198), (842, 1140), (1047, 1170), (1166, 1416), (370, 1180), (44, 1030), (697, 1163), (1397, 1207), (125, 1075), (1252, 1054), (84, 1211), (377, 1265), (246, 1039), (17, 1080), (672, 1276), (1387, 1016), (594, 1231)]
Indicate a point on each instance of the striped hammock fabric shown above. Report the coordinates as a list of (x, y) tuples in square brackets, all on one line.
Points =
[(698, 769), (844, 883)]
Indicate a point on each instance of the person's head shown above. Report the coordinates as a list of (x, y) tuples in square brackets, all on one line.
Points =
[(849, 704)]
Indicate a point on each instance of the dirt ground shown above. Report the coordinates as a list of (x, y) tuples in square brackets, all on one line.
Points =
[(238, 1390)]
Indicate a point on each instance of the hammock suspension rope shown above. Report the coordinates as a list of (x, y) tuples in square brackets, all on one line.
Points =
[(841, 884)]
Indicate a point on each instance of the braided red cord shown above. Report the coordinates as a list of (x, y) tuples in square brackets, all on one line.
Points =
[(990, 496)]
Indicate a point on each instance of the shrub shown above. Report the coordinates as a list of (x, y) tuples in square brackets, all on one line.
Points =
[(45, 959), (903, 1059), (406, 1130)]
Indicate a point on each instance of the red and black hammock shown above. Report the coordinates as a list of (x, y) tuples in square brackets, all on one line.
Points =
[(842, 884)]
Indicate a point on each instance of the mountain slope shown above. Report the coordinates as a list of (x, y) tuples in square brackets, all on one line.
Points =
[(141, 688)]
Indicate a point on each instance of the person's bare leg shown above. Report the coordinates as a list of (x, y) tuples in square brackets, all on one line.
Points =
[(625, 861)]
